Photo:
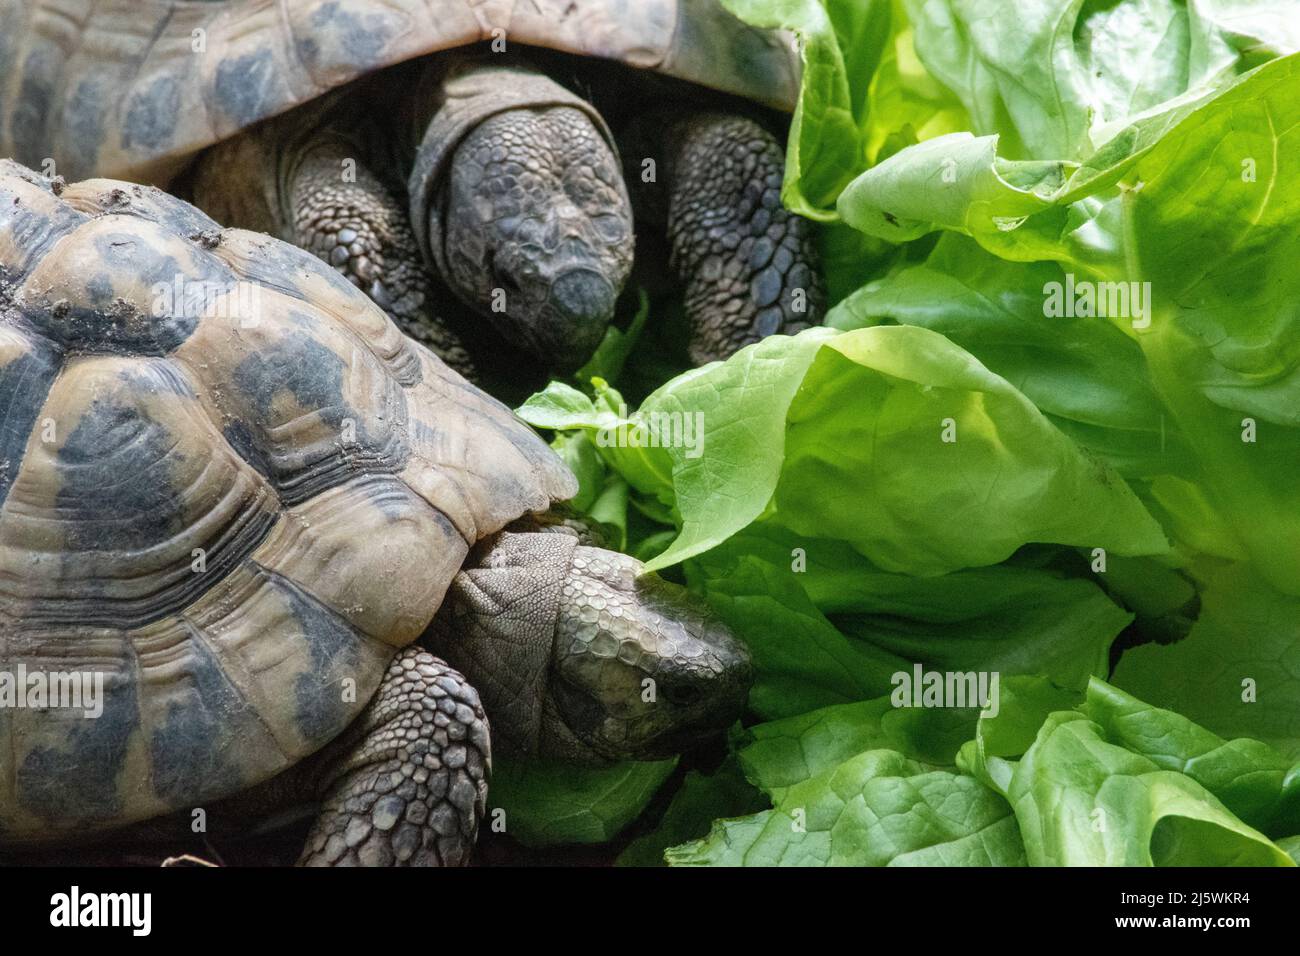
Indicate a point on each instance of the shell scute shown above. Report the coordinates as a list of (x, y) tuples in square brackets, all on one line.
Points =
[(28, 366), (340, 544), (332, 40), (297, 273), (303, 401), (118, 284), (292, 685), (56, 747), (112, 498), (32, 219), (97, 197)]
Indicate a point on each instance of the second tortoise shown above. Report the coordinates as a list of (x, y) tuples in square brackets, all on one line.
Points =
[(449, 145)]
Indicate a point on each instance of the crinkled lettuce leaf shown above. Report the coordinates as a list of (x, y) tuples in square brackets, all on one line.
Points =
[(1103, 778), (1206, 220), (1081, 800), (906, 103), (839, 629), (1087, 376), (875, 809), (890, 438), (844, 796), (1055, 77), (802, 661), (1056, 777), (863, 93), (1212, 226), (702, 798), (1238, 671)]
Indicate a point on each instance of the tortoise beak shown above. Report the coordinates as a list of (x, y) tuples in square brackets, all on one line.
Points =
[(574, 318)]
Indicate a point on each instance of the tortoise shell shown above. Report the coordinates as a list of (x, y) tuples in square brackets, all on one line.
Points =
[(228, 483), (133, 88)]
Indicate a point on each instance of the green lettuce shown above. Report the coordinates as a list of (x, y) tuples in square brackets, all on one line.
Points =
[(540, 803), (1049, 435), (891, 438), (840, 629), (1099, 778), (1117, 782), (702, 798), (1056, 78), (1218, 354), (1088, 377), (846, 793), (1236, 672)]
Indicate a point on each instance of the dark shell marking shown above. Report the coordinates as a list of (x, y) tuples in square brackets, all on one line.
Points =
[(234, 513)]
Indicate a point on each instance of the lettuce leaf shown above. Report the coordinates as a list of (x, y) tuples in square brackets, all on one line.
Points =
[(1238, 671), (840, 629), (1081, 800), (844, 797), (890, 438), (541, 803), (1218, 345), (1103, 778), (875, 809), (957, 475), (1087, 376), (1054, 78), (703, 798)]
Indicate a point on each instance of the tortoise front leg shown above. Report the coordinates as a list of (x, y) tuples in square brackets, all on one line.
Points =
[(358, 226), (408, 782), (320, 195), (749, 265)]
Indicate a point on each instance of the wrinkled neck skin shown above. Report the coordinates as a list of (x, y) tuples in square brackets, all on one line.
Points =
[(578, 659), (519, 197)]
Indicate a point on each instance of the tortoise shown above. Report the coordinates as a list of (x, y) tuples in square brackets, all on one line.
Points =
[(304, 556), (420, 145)]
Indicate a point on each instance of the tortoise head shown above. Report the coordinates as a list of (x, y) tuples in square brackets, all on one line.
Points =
[(518, 198), (538, 234), (580, 656)]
